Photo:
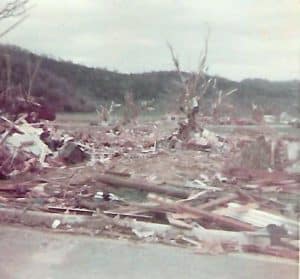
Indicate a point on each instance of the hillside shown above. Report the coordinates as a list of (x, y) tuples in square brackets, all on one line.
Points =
[(69, 87)]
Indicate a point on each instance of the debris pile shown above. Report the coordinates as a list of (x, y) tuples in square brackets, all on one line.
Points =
[(173, 180), (27, 147), (215, 194)]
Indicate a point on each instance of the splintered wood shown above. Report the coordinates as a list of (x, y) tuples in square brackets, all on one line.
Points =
[(145, 181)]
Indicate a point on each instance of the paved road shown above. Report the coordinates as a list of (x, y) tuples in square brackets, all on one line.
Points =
[(33, 254)]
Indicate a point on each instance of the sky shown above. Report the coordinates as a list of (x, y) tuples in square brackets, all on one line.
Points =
[(248, 38)]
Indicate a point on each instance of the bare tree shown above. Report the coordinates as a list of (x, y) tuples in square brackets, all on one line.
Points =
[(13, 9), (195, 86)]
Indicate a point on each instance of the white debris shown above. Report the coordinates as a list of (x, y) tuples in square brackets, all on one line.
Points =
[(106, 196), (198, 184), (55, 224), (293, 150), (258, 218), (285, 118), (220, 177), (29, 141)]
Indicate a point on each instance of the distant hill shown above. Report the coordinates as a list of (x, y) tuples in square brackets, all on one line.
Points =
[(70, 87)]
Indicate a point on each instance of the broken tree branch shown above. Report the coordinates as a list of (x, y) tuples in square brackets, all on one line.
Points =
[(13, 9)]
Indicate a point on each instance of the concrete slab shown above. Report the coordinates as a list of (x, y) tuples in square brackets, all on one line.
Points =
[(33, 254)]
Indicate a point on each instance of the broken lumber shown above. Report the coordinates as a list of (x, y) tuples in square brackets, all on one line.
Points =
[(143, 186), (258, 218), (212, 217), (220, 201), (222, 220)]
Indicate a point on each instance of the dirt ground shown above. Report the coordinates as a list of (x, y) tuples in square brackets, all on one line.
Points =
[(62, 196)]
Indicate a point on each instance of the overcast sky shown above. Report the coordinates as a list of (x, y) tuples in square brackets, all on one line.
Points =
[(249, 38)]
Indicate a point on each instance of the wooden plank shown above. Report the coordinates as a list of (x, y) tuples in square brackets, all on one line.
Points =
[(143, 186)]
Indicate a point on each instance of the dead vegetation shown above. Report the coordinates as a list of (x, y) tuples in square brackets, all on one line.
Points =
[(152, 181), (109, 173), (13, 9)]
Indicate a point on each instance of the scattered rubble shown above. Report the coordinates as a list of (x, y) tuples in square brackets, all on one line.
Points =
[(185, 186), (72, 153)]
